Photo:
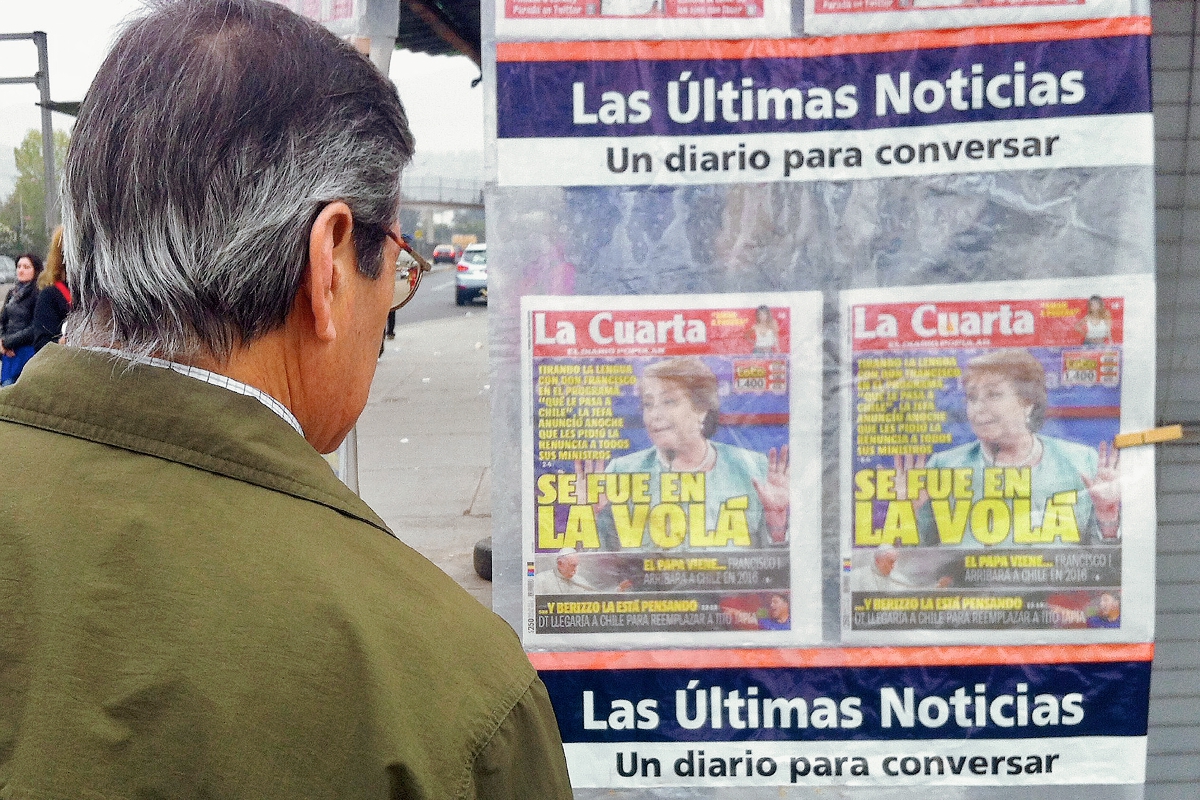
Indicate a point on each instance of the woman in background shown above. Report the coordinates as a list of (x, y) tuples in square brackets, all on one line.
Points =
[(53, 302), (17, 315)]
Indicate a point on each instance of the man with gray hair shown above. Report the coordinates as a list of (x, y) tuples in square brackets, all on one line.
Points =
[(192, 604)]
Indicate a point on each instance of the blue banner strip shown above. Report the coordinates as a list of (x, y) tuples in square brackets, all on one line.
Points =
[(1010, 701), (1010, 81)]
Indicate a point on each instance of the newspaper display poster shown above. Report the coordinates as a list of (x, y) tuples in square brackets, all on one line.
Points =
[(641, 19), (671, 491), (1013, 98), (877, 717), (347, 18), (836, 17), (983, 498)]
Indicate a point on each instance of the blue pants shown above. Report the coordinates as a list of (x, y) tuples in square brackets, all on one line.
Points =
[(11, 366)]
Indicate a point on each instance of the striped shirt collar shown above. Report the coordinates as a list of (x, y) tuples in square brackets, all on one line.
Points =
[(212, 378)]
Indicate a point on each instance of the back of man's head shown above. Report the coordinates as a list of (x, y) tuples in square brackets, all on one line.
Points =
[(213, 135)]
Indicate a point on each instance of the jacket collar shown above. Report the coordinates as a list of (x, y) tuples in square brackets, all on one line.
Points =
[(158, 412), (22, 289)]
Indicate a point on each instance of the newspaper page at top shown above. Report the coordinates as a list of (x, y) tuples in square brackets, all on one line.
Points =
[(641, 19), (983, 500), (346, 18), (671, 470), (837, 17)]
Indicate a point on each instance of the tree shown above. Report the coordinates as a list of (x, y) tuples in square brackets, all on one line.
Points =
[(8, 239), (24, 210), (471, 221)]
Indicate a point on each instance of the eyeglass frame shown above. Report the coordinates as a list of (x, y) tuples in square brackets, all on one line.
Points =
[(423, 266)]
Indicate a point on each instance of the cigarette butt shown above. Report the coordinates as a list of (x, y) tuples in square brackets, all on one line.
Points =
[(1167, 433)]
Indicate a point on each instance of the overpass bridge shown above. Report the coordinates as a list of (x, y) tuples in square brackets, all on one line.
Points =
[(422, 191), (428, 194)]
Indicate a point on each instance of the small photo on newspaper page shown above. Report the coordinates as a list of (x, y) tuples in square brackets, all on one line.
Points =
[(642, 19), (983, 500), (672, 470), (837, 17)]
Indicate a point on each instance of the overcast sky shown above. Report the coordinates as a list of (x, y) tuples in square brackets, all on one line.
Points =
[(445, 112)]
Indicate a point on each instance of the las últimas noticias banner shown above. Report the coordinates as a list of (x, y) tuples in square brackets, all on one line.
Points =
[(878, 717), (672, 451), (1019, 97)]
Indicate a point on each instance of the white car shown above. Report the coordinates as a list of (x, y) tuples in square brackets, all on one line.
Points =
[(471, 275), (8, 270)]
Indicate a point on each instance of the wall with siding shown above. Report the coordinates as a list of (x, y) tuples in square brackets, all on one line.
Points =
[(1173, 769)]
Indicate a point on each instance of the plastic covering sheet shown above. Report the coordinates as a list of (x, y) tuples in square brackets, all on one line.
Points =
[(930, 639)]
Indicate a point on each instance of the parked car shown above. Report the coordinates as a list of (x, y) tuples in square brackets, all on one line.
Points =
[(8, 270), (446, 253), (471, 275)]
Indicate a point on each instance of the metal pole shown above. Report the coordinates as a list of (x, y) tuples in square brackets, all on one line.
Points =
[(384, 17), (43, 84), (348, 460)]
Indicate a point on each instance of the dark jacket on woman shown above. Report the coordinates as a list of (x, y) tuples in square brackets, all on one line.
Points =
[(17, 313), (46, 326)]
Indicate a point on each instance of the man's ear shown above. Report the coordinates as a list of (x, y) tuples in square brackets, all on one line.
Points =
[(331, 260)]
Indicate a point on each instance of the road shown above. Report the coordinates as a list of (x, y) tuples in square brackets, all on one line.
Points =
[(424, 440), (435, 299)]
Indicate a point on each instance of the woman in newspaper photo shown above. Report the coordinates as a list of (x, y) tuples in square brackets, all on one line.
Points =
[(1096, 325), (680, 410), (1006, 404), (764, 332)]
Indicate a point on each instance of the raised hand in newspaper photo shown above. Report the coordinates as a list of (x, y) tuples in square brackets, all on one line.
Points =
[(773, 494), (1105, 490)]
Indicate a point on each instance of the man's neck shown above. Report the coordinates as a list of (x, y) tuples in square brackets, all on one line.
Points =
[(261, 365)]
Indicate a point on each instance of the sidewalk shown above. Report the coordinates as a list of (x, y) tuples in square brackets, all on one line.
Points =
[(424, 442)]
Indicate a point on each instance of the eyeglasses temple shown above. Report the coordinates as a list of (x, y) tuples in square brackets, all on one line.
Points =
[(406, 247)]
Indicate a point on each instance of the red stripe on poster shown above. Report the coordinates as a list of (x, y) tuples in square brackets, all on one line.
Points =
[(1063, 412), (843, 657), (822, 46)]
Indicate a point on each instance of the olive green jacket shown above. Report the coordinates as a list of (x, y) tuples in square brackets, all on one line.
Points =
[(192, 605)]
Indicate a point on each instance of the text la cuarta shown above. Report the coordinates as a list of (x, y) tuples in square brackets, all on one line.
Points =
[(927, 321), (604, 330)]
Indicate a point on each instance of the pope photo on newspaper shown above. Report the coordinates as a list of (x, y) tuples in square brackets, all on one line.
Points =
[(672, 469), (982, 490)]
